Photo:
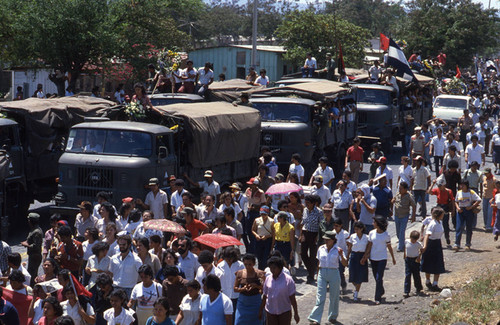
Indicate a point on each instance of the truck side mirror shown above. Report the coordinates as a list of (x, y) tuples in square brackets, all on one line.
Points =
[(163, 152)]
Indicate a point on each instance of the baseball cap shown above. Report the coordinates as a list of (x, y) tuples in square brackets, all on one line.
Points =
[(85, 205), (318, 179), (253, 181), (418, 158), (235, 186), (171, 178), (279, 176), (208, 173), (264, 209), (154, 181), (33, 216), (382, 160), (127, 199)]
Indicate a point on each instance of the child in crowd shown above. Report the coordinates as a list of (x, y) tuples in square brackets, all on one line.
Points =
[(412, 254)]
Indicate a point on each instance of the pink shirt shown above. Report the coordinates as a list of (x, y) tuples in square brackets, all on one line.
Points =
[(278, 292)]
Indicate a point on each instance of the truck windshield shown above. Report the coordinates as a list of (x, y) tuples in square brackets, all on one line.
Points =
[(114, 142), (452, 103), (374, 96), (283, 112)]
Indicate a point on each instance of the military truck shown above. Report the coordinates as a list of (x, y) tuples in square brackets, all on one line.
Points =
[(32, 133), (119, 157), (290, 123), (381, 113)]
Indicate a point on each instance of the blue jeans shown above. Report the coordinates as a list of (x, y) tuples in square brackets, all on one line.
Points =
[(420, 195), (464, 220), (412, 268), (401, 230), (262, 250), (487, 213), (378, 268), (408, 144), (307, 72), (326, 277)]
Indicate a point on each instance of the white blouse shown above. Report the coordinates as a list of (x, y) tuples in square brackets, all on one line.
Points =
[(190, 309), (358, 244), (435, 230), (328, 259)]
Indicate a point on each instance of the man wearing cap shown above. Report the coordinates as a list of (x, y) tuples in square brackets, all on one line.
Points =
[(156, 200), (383, 194), (474, 152), (176, 198), (420, 182), (354, 156), (208, 185), (438, 149), (84, 220), (256, 198), (320, 190), (324, 171), (417, 143), (240, 198), (383, 169), (330, 66), (33, 244), (342, 199)]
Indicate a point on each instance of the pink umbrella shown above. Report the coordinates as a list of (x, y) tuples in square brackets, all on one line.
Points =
[(283, 188), (164, 225), (217, 240)]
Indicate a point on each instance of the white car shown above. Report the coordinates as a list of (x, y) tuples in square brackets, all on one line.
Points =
[(450, 108)]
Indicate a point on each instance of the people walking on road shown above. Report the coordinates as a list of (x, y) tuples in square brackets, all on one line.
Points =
[(437, 149), (402, 203), (342, 199), (366, 204), (420, 182), (446, 201), (466, 202), (379, 242), (330, 256), (354, 156), (383, 169), (358, 269), (412, 256), (432, 251), (309, 235)]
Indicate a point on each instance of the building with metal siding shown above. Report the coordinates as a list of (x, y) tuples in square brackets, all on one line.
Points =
[(234, 60)]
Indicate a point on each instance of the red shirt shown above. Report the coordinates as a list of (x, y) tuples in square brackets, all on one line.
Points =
[(443, 197), (355, 154), (74, 251), (195, 227)]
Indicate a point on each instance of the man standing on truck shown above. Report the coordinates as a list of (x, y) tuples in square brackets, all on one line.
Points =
[(208, 185), (354, 156), (34, 245), (309, 66), (156, 200)]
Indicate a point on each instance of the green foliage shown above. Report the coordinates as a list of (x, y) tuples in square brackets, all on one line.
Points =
[(461, 28), (306, 31)]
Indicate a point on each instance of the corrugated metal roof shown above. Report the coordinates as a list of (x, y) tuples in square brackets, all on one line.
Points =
[(265, 48)]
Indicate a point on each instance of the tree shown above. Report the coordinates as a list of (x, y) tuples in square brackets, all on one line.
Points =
[(460, 28), (306, 31)]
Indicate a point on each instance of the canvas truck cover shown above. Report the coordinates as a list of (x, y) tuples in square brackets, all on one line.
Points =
[(322, 90), (218, 132), (230, 90), (42, 120)]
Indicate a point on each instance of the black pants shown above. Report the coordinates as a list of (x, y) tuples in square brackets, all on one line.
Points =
[(438, 162), (446, 220), (343, 214), (412, 268), (34, 262), (308, 252)]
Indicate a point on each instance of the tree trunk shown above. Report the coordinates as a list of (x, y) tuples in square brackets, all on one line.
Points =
[(74, 77), (60, 84)]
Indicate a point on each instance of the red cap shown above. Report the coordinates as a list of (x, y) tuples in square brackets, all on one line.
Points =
[(127, 199), (382, 160)]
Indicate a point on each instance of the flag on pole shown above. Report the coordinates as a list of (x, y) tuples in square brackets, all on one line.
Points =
[(341, 68), (384, 42), (459, 74), (397, 59), (78, 288)]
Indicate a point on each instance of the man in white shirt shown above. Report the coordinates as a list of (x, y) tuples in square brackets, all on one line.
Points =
[(208, 185), (204, 79), (309, 67), (320, 190), (374, 72), (384, 169), (125, 266), (206, 261), (176, 198), (420, 182), (188, 262), (262, 80), (324, 171), (156, 200), (474, 152), (391, 80), (438, 149), (229, 266), (296, 168)]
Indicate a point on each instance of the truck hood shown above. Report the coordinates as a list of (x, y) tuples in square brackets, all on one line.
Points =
[(93, 160)]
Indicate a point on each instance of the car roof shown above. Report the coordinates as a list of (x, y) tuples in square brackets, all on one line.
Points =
[(454, 96)]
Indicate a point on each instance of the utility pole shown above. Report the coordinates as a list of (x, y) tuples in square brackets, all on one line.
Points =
[(254, 34)]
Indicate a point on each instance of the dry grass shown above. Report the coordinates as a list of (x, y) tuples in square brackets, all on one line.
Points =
[(476, 303)]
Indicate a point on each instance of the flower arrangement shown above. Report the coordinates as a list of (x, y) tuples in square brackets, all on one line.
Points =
[(135, 111), (455, 86), (402, 43), (169, 60)]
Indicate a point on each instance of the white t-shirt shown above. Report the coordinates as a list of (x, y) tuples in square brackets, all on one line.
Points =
[(435, 230), (37, 307), (474, 153), (374, 72), (190, 309), (201, 274), (466, 199), (394, 83), (412, 249), (387, 171), (327, 173), (146, 296), (87, 249), (73, 312), (126, 317), (204, 77), (264, 81), (156, 203), (212, 188), (297, 169), (311, 63), (496, 140), (439, 146), (405, 174), (379, 245), (358, 244)]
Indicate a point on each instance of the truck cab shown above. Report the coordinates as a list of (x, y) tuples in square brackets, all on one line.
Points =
[(117, 157)]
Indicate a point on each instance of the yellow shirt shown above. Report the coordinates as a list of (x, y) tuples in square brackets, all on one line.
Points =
[(283, 233)]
